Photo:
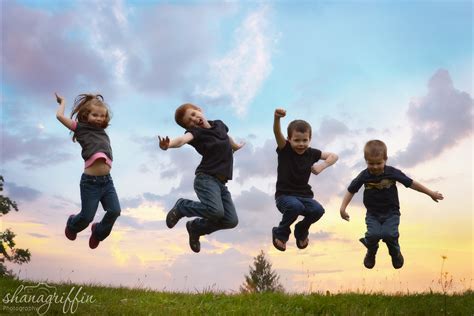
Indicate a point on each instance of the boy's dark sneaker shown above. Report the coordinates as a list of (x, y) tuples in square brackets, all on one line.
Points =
[(397, 260), (173, 215), (93, 241), (278, 243), (193, 238), (70, 234), (302, 244), (369, 260)]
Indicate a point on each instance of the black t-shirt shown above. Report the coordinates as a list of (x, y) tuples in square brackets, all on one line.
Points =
[(294, 171), (92, 139), (214, 146), (380, 192)]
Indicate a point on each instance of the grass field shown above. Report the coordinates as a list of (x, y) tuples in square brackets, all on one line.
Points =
[(21, 298)]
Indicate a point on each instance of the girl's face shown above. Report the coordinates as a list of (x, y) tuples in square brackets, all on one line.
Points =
[(97, 115)]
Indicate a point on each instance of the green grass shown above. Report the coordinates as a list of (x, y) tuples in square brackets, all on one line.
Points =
[(126, 301)]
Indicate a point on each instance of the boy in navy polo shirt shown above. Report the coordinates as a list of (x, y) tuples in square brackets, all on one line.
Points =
[(293, 196), (216, 209), (381, 200)]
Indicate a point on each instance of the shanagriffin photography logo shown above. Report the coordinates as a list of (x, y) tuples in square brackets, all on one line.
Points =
[(40, 297)]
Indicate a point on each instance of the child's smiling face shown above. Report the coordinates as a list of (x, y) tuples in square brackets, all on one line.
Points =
[(376, 165), (97, 115), (299, 141), (194, 118)]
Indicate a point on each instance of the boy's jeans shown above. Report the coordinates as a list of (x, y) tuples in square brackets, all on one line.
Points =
[(291, 207), (95, 189), (385, 227), (215, 209)]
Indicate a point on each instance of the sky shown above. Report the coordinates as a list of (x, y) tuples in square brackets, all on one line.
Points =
[(399, 71)]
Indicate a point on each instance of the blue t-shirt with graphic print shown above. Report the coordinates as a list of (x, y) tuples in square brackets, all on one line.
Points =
[(380, 191)]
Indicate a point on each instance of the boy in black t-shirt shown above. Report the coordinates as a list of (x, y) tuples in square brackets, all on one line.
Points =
[(381, 200), (216, 209), (293, 196)]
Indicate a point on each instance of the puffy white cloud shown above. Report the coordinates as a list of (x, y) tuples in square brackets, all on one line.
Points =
[(236, 78), (439, 120)]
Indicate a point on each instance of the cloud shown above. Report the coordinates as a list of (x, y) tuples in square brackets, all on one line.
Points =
[(34, 150), (439, 120), (151, 48), (254, 162), (39, 57), (21, 193), (329, 130), (236, 78)]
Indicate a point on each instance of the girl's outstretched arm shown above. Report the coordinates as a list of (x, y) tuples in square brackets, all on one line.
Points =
[(166, 142), (66, 121)]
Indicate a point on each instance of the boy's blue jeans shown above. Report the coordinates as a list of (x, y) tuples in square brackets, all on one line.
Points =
[(95, 189), (385, 227), (215, 210), (291, 207)]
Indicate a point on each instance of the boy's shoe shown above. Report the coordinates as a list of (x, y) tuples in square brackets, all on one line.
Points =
[(173, 215), (369, 259), (93, 241), (277, 243), (194, 243), (301, 244), (70, 234), (397, 260)]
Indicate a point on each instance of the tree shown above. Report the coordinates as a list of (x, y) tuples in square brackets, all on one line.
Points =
[(261, 278), (8, 252)]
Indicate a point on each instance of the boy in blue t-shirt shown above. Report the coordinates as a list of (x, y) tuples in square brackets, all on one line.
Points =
[(381, 200), (215, 209), (293, 196)]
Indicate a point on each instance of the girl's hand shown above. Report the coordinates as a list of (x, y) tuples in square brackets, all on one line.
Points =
[(59, 98), (280, 113), (164, 142)]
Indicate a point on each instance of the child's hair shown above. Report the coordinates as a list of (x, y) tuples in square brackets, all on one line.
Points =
[(375, 148), (181, 110), (299, 126), (82, 108)]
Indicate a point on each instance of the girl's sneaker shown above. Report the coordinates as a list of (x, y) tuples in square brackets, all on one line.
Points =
[(70, 234), (93, 241)]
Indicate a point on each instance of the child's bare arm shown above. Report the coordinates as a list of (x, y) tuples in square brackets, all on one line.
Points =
[(66, 121), (435, 195), (166, 142), (329, 160), (234, 145), (345, 201), (280, 139)]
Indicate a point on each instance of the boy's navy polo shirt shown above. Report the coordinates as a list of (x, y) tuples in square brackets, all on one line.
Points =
[(380, 192), (214, 145), (294, 171), (92, 139)]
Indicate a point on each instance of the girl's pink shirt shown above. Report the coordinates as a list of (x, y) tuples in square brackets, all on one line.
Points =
[(95, 156)]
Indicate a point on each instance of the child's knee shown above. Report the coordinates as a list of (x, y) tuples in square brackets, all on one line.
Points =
[(317, 212), (232, 223), (116, 213), (216, 213)]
